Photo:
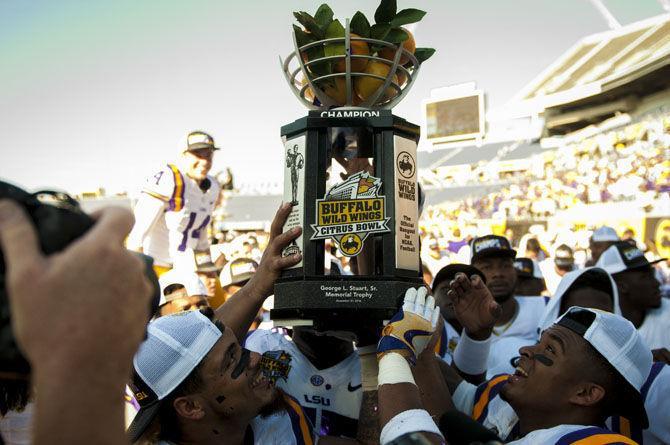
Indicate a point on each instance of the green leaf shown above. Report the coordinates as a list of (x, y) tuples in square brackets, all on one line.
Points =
[(302, 37), (397, 36), (407, 16), (379, 30), (423, 54), (335, 29), (359, 25), (386, 11), (313, 53), (309, 23), (319, 68), (323, 16)]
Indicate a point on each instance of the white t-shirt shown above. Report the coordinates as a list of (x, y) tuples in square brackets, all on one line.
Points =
[(655, 329), (484, 404), (551, 277), (172, 215), (506, 340), (330, 397)]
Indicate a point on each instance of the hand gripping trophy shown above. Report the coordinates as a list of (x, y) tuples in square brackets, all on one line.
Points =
[(350, 77)]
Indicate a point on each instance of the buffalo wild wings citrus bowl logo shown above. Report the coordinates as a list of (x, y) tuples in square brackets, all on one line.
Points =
[(350, 212)]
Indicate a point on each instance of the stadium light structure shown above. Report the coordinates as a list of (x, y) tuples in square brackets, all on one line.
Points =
[(612, 22)]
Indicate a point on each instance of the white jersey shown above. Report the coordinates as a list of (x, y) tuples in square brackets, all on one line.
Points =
[(289, 427), (655, 393), (655, 329), (484, 404), (330, 397), (506, 340), (172, 215)]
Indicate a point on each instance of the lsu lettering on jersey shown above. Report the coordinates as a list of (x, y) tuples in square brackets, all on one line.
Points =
[(172, 215), (656, 395), (484, 404), (331, 398)]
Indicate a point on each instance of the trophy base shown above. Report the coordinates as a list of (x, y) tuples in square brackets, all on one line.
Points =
[(341, 302)]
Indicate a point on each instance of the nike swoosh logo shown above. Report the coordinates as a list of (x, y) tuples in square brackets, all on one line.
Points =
[(353, 388)]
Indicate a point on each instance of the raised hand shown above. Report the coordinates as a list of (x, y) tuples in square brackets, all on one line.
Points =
[(473, 305), (272, 261), (410, 329)]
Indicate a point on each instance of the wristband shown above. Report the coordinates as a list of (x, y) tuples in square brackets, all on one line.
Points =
[(406, 422), (369, 367), (471, 356), (393, 368)]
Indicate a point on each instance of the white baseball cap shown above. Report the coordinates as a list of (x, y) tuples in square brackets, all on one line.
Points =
[(617, 340), (190, 280), (599, 276), (238, 271), (604, 233), (622, 256), (174, 346)]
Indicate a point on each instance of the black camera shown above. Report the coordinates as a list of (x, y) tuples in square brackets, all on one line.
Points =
[(58, 220)]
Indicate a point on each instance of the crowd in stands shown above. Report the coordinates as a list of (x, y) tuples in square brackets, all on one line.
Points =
[(632, 162)]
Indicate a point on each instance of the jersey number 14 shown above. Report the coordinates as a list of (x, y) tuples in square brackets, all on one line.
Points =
[(195, 233)]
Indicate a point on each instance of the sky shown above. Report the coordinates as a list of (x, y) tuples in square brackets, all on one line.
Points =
[(101, 93)]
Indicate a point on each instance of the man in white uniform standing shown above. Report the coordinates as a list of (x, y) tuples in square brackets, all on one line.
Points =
[(176, 204), (517, 324), (639, 293)]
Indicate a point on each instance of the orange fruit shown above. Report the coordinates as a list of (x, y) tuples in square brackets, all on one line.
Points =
[(357, 65), (409, 45), (366, 86), (309, 94), (402, 77), (336, 89)]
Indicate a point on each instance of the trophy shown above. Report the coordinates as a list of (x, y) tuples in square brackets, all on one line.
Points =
[(350, 170)]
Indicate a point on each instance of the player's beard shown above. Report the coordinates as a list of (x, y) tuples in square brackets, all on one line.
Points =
[(500, 299), (277, 404)]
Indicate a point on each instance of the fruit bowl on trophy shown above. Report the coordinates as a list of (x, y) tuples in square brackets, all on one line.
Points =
[(355, 65)]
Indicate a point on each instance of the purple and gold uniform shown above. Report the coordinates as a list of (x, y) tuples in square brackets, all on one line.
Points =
[(484, 404), (172, 215)]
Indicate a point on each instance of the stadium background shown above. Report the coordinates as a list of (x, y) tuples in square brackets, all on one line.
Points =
[(584, 144)]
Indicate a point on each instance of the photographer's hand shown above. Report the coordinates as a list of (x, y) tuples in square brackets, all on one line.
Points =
[(78, 316)]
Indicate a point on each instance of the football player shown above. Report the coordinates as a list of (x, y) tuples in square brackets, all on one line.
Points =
[(517, 323), (639, 293), (176, 204), (598, 359)]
